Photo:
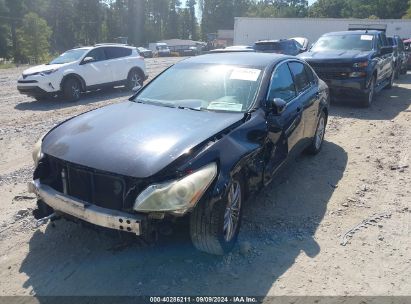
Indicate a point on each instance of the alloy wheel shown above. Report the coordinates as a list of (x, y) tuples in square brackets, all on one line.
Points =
[(319, 135), (232, 212), (75, 89), (135, 79), (372, 90)]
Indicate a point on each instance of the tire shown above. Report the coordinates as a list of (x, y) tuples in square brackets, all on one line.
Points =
[(134, 77), (211, 230), (318, 139), (72, 89), (397, 73), (391, 83), (368, 98)]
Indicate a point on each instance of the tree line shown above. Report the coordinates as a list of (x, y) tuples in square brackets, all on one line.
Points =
[(37, 28)]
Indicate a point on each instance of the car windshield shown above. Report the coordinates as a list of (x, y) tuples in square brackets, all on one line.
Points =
[(69, 56), (344, 42), (205, 87)]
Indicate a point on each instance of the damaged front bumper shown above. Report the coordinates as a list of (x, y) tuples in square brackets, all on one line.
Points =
[(87, 212)]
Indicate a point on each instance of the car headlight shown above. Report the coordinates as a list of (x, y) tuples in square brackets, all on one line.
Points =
[(362, 64), (177, 196), (48, 72), (37, 153)]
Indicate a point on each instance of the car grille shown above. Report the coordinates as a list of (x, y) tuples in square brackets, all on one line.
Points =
[(101, 189), (332, 70)]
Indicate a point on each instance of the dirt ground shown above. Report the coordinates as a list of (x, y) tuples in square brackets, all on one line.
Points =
[(291, 234)]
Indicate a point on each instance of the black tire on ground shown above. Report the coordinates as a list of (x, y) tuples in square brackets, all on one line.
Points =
[(368, 98), (391, 83), (210, 230), (72, 89), (134, 77), (318, 139), (397, 73)]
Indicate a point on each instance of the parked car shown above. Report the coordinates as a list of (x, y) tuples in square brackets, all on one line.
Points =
[(146, 53), (189, 51), (83, 69), (198, 150), (234, 49), (303, 43), (399, 55), (160, 49), (283, 46), (407, 46), (353, 63)]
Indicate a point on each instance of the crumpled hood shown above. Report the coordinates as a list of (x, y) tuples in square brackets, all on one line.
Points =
[(337, 55), (43, 68), (132, 139)]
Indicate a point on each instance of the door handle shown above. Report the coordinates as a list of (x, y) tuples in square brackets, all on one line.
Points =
[(298, 110)]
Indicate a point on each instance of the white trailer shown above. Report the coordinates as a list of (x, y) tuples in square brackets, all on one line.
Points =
[(248, 30)]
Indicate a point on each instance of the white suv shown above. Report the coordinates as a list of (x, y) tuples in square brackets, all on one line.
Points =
[(84, 69)]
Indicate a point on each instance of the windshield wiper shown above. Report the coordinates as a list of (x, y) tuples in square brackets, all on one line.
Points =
[(156, 103), (189, 108)]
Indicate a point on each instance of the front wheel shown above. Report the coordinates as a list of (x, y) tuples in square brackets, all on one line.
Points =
[(72, 90), (215, 231), (368, 98)]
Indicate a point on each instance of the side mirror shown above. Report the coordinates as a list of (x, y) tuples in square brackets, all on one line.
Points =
[(386, 50), (88, 60), (277, 105)]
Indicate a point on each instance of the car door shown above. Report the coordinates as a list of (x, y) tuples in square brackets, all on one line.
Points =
[(308, 96), (388, 59), (118, 61), (286, 129), (97, 71), (381, 61)]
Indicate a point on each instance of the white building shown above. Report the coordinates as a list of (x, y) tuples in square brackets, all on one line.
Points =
[(249, 30)]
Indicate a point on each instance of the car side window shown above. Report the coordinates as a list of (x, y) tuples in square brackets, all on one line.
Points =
[(282, 84), (400, 45), (310, 74), (378, 44), (97, 54), (117, 52), (300, 76)]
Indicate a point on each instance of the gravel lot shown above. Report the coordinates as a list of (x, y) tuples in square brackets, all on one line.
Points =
[(291, 234)]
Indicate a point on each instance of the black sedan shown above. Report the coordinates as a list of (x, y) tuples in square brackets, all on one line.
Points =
[(197, 141)]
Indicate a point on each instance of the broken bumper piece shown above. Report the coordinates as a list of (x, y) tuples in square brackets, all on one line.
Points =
[(85, 211)]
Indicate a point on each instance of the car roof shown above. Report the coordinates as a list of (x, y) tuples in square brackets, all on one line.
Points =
[(261, 60), (356, 32), (272, 41)]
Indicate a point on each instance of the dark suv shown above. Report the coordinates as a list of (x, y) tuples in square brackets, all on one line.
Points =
[(353, 63), (399, 54)]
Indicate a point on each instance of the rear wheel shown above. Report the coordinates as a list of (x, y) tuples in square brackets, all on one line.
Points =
[(397, 72), (134, 79), (318, 139), (215, 231), (72, 89), (391, 83)]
